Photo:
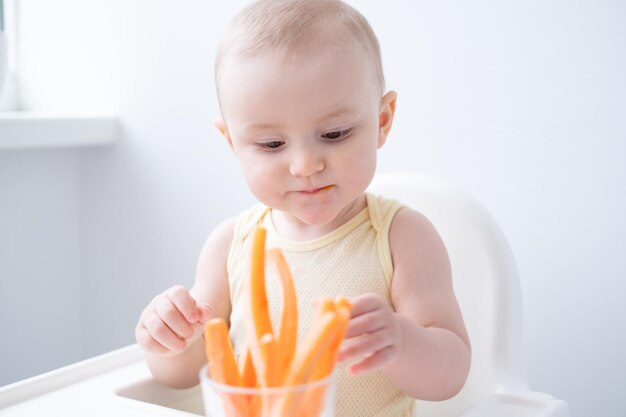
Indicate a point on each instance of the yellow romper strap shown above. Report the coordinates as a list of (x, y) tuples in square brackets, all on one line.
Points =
[(381, 213)]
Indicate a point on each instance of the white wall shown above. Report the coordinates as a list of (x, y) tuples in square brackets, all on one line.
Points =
[(40, 285), (521, 103)]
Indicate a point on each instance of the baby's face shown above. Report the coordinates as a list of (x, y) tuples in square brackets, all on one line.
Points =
[(306, 131)]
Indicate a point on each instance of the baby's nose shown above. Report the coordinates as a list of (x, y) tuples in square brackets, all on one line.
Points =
[(305, 162)]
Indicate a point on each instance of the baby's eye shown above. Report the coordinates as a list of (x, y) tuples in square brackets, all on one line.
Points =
[(270, 145), (336, 134), (332, 135)]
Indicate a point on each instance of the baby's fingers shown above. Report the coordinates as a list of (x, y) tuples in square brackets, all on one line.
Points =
[(366, 323), (173, 318), (205, 313), (162, 334), (148, 343), (364, 345), (370, 351), (373, 362), (367, 303), (184, 302)]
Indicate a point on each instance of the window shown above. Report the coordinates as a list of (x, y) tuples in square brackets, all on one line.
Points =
[(8, 55), (24, 125)]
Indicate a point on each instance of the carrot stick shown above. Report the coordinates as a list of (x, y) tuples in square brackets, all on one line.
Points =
[(246, 369), (248, 380), (320, 337), (288, 331), (219, 351), (342, 302), (260, 310), (323, 305), (269, 348), (222, 365), (258, 315), (329, 358), (313, 402)]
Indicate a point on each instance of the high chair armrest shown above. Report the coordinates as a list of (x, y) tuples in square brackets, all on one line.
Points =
[(524, 404)]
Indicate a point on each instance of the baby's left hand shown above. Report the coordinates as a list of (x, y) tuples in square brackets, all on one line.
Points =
[(374, 336)]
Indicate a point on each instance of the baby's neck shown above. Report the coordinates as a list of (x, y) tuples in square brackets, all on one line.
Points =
[(292, 228)]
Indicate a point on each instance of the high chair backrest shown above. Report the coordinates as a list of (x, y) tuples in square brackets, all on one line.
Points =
[(485, 281)]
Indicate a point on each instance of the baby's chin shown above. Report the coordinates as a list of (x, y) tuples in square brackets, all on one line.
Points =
[(314, 218), (327, 213), (320, 219)]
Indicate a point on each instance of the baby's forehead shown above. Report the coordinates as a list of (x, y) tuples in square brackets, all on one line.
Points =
[(337, 54), (300, 87), (313, 61)]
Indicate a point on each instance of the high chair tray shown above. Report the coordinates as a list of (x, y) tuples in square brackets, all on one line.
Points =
[(114, 384), (119, 384)]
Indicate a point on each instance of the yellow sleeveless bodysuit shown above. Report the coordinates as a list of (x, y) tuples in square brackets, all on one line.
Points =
[(351, 260)]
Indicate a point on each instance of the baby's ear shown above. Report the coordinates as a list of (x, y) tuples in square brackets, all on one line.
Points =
[(220, 124), (385, 117)]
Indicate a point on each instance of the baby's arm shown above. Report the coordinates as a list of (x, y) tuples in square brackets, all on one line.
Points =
[(422, 346), (170, 327)]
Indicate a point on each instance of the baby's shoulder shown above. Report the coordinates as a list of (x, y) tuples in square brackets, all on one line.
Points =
[(406, 217), (220, 237), (224, 229), (414, 238)]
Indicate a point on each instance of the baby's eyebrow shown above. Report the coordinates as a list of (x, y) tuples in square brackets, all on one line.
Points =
[(336, 113), (260, 126), (269, 126)]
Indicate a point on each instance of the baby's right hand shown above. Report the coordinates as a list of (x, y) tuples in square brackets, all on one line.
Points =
[(171, 322)]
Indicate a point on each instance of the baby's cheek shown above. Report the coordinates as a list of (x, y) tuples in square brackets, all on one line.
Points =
[(362, 166), (259, 182)]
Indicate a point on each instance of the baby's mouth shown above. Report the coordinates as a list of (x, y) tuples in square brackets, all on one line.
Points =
[(316, 190)]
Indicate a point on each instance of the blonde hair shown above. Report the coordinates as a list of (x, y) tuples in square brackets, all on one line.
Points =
[(293, 26)]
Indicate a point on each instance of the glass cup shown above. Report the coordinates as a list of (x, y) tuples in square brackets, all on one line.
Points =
[(315, 399)]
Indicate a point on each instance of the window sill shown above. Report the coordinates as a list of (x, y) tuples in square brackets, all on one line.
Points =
[(32, 130)]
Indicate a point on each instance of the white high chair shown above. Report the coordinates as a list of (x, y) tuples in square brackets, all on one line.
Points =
[(488, 290)]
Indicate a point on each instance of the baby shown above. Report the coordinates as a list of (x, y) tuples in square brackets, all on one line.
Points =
[(304, 110)]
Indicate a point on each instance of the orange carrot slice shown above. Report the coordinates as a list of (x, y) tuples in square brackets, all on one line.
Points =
[(219, 351), (288, 331), (222, 365), (313, 401), (246, 369), (258, 315), (323, 305), (328, 359), (260, 310), (249, 380), (268, 346), (342, 302), (321, 335)]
